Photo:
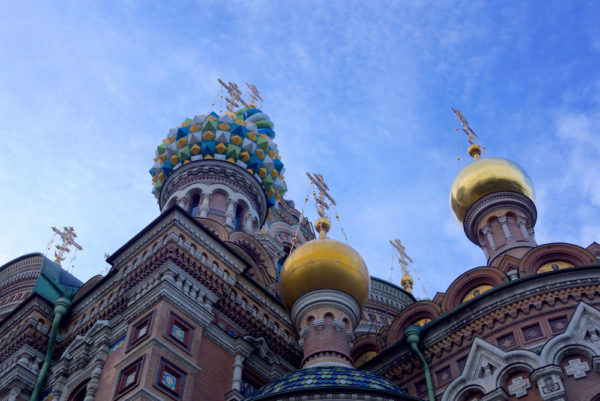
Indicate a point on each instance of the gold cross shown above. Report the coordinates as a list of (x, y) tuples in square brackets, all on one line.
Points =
[(323, 200), (255, 94), (471, 135), (68, 240), (235, 95), (403, 258)]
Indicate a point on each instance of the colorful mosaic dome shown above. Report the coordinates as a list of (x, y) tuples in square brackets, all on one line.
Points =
[(327, 377), (244, 138)]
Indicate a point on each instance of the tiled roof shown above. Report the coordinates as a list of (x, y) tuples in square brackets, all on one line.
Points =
[(323, 377)]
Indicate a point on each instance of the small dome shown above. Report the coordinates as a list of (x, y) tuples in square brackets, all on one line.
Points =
[(324, 264), (244, 138), (323, 378), (486, 176)]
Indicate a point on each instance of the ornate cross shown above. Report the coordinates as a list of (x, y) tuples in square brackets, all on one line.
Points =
[(235, 95), (68, 240), (577, 368), (323, 199), (403, 258), (471, 135), (519, 386), (254, 93)]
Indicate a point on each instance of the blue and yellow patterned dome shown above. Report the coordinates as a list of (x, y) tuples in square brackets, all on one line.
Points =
[(244, 138), (327, 378)]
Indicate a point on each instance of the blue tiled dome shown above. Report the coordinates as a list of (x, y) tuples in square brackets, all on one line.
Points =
[(327, 377), (244, 138)]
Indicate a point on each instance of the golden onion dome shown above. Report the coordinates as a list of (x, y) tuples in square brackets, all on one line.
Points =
[(486, 176), (323, 264)]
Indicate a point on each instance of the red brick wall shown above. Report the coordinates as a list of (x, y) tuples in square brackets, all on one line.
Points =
[(217, 372)]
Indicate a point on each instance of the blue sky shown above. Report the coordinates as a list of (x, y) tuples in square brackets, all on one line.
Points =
[(359, 91)]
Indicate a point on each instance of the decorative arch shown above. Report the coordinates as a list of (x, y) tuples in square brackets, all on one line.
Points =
[(257, 252), (479, 277), (79, 393), (411, 315), (489, 368), (470, 393), (576, 338), (558, 251), (486, 368), (214, 227), (364, 348)]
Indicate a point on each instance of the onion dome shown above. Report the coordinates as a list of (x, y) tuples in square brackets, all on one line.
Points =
[(323, 264), (244, 138), (328, 378), (486, 176)]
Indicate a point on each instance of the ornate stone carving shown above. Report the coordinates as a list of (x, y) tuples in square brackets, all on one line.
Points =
[(577, 368), (519, 386)]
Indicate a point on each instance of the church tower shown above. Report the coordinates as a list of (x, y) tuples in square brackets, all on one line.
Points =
[(493, 198), (221, 168)]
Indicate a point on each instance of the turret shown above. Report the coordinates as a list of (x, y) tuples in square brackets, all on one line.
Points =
[(493, 198)]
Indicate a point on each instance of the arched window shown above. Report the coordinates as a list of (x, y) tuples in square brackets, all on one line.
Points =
[(80, 392), (194, 204), (239, 214)]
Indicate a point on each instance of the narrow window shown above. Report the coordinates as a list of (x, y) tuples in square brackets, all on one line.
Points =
[(194, 204), (237, 222)]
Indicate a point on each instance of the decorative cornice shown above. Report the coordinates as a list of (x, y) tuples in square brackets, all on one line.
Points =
[(217, 171)]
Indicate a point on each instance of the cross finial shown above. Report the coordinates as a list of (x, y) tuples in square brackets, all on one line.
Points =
[(68, 240), (235, 95), (403, 261), (254, 93), (474, 148), (323, 199)]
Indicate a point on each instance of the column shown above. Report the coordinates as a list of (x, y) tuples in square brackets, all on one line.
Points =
[(522, 225), (204, 205), (94, 383), (183, 202), (487, 231), (238, 367), (549, 383), (248, 222), (504, 223), (229, 214)]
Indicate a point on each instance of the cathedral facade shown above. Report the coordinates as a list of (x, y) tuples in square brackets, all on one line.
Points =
[(230, 294)]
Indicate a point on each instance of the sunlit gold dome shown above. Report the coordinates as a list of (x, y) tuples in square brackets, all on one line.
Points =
[(323, 264), (486, 176)]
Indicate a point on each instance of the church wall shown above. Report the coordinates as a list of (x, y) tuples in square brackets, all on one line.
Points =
[(216, 373)]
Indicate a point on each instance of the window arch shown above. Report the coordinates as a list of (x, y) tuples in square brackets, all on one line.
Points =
[(80, 392)]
